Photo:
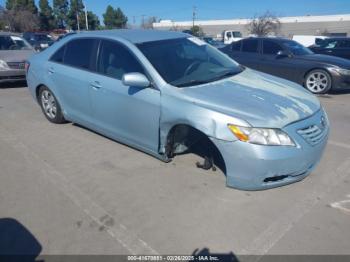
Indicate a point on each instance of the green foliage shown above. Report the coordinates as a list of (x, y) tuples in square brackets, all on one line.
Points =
[(114, 18), (46, 17), (60, 10), (28, 5), (197, 31), (76, 10), (93, 21)]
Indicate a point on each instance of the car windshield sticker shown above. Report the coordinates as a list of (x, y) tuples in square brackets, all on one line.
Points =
[(196, 41)]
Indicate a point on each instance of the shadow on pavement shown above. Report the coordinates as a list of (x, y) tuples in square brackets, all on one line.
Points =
[(17, 243), (19, 84), (206, 255)]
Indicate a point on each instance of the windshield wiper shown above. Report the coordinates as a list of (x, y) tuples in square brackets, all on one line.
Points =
[(225, 74), (193, 82)]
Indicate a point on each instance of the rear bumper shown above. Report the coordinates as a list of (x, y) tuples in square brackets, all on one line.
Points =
[(257, 167), (12, 75)]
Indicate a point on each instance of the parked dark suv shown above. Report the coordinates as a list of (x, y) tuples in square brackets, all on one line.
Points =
[(39, 41), (333, 46), (290, 60)]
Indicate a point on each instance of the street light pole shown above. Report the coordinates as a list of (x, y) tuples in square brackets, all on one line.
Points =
[(86, 18)]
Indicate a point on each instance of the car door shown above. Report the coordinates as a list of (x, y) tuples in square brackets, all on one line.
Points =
[(249, 54), (69, 70), (272, 63), (126, 113)]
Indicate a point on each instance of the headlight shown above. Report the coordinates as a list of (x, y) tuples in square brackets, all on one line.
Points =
[(261, 136), (342, 71), (3, 66)]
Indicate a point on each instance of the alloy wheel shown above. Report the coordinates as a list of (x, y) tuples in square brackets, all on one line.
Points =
[(317, 82), (48, 102)]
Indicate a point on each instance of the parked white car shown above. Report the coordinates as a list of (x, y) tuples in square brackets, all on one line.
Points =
[(308, 40)]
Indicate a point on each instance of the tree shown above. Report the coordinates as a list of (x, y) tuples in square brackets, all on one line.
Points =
[(148, 24), (76, 15), (264, 24), (46, 17), (197, 31), (93, 21), (114, 18), (60, 10), (28, 5), (20, 20)]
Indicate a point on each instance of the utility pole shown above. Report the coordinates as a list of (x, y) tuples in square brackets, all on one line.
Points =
[(78, 21), (194, 13), (143, 21), (86, 18)]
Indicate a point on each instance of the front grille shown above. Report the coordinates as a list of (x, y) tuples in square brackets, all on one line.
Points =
[(16, 65), (313, 134)]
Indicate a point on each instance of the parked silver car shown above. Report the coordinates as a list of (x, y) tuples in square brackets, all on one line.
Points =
[(166, 93), (14, 51)]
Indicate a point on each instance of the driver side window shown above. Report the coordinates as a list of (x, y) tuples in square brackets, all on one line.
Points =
[(115, 60)]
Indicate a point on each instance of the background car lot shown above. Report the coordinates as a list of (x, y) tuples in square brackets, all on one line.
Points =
[(80, 193)]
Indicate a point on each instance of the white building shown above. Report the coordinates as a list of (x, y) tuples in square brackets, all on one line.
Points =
[(334, 25)]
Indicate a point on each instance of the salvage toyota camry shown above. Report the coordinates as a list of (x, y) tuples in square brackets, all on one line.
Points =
[(166, 92)]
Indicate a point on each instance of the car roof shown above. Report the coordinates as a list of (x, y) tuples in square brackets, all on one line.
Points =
[(270, 38), (8, 34), (135, 36), (337, 38)]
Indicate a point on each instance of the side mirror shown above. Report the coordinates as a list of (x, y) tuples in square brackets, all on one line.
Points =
[(135, 80), (282, 54)]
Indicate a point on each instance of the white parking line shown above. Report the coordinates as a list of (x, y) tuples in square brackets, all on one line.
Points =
[(119, 232), (343, 145), (341, 205), (280, 227)]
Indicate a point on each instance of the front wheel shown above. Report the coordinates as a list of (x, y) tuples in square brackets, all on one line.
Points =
[(50, 106), (318, 81)]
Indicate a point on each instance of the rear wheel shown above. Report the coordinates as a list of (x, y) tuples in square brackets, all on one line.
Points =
[(318, 81), (50, 106)]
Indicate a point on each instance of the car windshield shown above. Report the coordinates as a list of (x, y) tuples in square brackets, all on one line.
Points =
[(188, 61), (328, 43), (13, 43), (296, 48)]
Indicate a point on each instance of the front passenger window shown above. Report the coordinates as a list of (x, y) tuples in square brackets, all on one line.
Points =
[(115, 60), (271, 48)]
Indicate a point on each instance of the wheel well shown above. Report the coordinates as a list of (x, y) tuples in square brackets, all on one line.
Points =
[(37, 89), (184, 138)]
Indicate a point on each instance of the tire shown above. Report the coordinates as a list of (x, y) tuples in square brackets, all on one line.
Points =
[(318, 81), (50, 106)]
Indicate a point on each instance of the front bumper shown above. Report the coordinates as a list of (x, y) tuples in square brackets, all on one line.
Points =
[(257, 167), (12, 75), (340, 82)]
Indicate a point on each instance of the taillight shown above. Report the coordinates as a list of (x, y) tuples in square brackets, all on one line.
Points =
[(26, 66)]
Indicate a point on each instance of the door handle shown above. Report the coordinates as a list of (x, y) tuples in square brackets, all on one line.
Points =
[(96, 85), (51, 70)]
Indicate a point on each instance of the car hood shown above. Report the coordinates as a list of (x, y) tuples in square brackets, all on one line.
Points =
[(260, 99), (15, 55), (326, 59)]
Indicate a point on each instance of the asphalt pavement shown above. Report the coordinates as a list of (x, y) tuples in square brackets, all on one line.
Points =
[(72, 191)]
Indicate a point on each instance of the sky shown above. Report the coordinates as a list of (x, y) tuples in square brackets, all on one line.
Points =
[(180, 10)]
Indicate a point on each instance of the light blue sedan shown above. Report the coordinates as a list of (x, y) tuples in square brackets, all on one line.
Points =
[(166, 93)]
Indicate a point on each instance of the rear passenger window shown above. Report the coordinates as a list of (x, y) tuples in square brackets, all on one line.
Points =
[(80, 53), (236, 46), (250, 45), (58, 56), (115, 60), (271, 48)]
